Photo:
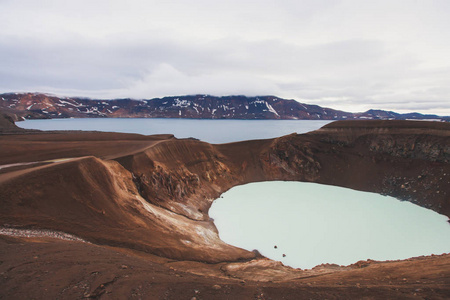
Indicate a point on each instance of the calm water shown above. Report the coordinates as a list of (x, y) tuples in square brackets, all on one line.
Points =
[(212, 131), (314, 224)]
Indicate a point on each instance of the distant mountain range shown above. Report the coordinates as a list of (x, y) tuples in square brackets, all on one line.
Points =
[(43, 106)]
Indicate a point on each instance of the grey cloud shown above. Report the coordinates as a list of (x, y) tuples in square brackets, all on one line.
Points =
[(222, 67), (319, 52)]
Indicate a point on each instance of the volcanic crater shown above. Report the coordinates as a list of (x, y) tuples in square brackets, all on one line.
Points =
[(111, 215)]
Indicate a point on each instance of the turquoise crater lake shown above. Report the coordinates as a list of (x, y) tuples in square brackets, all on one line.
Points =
[(313, 224)]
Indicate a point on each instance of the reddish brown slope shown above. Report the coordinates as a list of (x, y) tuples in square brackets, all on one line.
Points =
[(99, 202), (39, 146)]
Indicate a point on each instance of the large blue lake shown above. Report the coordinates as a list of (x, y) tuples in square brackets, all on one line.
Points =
[(212, 131), (309, 223)]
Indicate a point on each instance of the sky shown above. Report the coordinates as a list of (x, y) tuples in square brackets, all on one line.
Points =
[(347, 55)]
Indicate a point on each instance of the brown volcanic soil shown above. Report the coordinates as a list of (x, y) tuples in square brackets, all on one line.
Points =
[(142, 202), (51, 269)]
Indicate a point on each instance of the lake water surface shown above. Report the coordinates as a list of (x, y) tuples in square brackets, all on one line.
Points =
[(211, 131), (313, 224)]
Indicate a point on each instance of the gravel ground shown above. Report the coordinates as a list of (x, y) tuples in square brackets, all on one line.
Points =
[(32, 233)]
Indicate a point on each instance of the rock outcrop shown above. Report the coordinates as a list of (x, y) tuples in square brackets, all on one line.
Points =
[(7, 125), (406, 160)]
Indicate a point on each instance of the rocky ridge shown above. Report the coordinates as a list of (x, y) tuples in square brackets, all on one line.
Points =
[(42, 106)]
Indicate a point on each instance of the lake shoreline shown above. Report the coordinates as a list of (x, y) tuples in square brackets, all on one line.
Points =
[(304, 225)]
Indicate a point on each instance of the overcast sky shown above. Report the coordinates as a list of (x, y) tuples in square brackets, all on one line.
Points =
[(349, 55)]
